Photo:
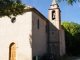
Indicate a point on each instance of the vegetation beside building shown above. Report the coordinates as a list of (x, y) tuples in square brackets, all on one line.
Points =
[(72, 38)]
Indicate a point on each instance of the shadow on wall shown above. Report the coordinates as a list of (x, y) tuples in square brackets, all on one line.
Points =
[(53, 39), (53, 45)]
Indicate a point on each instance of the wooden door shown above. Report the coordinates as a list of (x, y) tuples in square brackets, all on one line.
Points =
[(13, 52)]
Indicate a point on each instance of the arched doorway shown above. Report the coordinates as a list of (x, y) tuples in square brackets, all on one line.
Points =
[(12, 51)]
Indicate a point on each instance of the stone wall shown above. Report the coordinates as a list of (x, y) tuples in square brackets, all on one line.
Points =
[(39, 36)]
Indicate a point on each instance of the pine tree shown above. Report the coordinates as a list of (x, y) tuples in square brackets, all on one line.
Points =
[(69, 1), (11, 7)]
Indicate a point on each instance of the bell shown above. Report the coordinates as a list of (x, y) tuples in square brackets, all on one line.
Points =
[(53, 17)]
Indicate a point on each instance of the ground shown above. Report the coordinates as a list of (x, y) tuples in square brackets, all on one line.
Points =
[(73, 58)]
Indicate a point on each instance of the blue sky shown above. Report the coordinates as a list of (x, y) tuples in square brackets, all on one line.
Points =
[(68, 12)]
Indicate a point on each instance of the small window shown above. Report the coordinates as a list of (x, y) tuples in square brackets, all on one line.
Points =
[(13, 20), (38, 23), (53, 15), (52, 33)]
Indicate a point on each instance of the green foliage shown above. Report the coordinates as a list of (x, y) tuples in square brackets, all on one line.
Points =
[(11, 7), (69, 1), (71, 27), (72, 39)]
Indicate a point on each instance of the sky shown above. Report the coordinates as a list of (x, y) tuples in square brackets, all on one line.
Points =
[(70, 13)]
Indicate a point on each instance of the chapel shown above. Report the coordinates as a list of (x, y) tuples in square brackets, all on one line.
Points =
[(32, 34)]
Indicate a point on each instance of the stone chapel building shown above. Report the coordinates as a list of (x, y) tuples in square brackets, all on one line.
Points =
[(32, 34)]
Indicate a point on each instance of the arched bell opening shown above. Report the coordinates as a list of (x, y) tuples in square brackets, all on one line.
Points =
[(53, 15)]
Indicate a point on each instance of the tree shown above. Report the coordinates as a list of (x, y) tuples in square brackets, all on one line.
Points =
[(70, 1), (72, 39), (11, 7)]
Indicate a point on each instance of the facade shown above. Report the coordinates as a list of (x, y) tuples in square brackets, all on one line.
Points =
[(31, 34)]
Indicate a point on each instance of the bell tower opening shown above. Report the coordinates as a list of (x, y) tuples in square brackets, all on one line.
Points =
[(53, 15)]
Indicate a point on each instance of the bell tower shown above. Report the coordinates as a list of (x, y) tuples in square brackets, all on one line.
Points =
[(54, 28), (54, 13)]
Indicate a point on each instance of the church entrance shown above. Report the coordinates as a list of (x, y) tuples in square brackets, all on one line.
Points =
[(12, 52)]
